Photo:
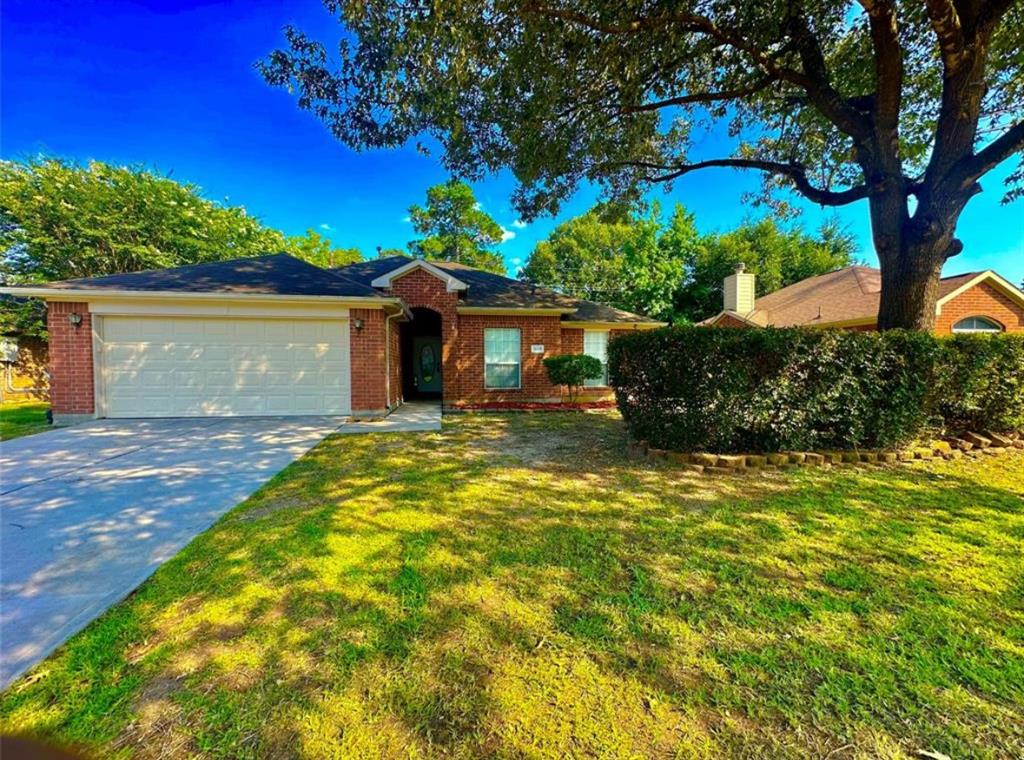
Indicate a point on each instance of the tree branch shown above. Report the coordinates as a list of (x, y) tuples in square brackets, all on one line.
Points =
[(888, 61), (970, 169), (794, 171), (702, 97), (814, 79), (946, 24)]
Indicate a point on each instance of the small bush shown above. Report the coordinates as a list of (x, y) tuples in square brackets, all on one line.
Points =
[(572, 370), (722, 390), (980, 384)]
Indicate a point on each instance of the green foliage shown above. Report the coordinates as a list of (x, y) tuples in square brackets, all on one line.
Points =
[(619, 93), (722, 390), (981, 383), (572, 371), (670, 271), (627, 261), (59, 220), (778, 256), (456, 229), (313, 247)]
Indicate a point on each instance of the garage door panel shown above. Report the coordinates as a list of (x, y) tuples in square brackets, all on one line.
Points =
[(178, 366)]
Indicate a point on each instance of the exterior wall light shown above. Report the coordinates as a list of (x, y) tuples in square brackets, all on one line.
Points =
[(358, 324), (75, 319)]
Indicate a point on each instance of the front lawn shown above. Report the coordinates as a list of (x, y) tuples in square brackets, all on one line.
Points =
[(514, 587), (19, 418)]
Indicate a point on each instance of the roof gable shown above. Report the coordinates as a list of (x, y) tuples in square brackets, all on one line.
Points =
[(452, 283)]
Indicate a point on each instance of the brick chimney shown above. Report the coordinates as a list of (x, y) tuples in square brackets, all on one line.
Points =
[(739, 290)]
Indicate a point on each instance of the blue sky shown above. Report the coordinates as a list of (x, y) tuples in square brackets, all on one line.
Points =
[(172, 85)]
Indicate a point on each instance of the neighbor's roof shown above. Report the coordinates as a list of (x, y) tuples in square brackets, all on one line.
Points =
[(276, 274), (846, 295), (493, 291)]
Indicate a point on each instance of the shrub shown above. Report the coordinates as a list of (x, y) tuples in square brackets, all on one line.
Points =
[(980, 384), (696, 388), (572, 370)]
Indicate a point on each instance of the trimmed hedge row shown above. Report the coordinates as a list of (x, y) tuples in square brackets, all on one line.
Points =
[(722, 390)]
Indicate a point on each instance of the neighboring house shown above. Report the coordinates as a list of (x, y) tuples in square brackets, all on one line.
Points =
[(273, 335), (976, 302)]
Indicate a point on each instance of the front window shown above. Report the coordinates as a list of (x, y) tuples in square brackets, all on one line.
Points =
[(501, 358), (977, 325), (595, 343)]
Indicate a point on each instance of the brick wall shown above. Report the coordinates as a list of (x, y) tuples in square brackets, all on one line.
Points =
[(420, 289), (366, 347), (469, 366), (981, 301), (396, 362), (71, 371)]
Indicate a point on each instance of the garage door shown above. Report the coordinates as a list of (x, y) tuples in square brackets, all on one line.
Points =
[(190, 367)]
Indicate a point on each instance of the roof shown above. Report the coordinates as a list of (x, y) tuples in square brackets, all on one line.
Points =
[(276, 274), (846, 295), (494, 291)]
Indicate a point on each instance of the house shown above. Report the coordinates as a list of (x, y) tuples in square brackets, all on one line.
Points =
[(274, 335), (975, 302)]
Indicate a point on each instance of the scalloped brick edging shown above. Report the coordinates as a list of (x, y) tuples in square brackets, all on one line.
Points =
[(967, 445)]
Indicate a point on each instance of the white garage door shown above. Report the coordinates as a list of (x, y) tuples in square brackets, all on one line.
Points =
[(194, 367)]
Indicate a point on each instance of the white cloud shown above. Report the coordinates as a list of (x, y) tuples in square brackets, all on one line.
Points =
[(326, 227), (407, 219), (478, 206), (519, 224), (516, 261), (506, 235)]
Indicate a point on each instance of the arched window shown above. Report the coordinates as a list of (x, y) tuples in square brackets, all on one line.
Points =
[(977, 325)]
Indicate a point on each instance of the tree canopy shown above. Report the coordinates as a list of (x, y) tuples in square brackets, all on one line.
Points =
[(904, 104), (625, 260), (455, 228), (670, 271), (59, 220)]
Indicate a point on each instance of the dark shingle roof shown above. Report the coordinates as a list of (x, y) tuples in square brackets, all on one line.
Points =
[(489, 290), (277, 274)]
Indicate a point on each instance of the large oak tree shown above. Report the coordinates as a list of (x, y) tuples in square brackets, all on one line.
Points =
[(904, 103)]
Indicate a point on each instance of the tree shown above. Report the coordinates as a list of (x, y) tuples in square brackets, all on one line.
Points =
[(59, 220), (313, 247), (778, 257), (616, 257), (907, 105), (455, 228)]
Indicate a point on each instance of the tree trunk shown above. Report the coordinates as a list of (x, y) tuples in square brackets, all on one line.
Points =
[(910, 288)]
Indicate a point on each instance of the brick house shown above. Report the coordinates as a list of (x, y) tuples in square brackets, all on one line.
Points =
[(975, 302), (273, 335)]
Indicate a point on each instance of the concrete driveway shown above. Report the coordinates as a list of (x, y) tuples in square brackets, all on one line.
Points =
[(89, 512)]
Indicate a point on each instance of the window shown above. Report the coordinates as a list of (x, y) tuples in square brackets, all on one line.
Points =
[(977, 325), (501, 358), (595, 343)]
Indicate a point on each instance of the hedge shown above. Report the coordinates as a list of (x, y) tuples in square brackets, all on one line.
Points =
[(723, 390), (980, 383)]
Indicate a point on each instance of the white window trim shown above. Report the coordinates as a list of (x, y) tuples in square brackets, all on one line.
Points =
[(974, 331), (607, 337), (519, 364)]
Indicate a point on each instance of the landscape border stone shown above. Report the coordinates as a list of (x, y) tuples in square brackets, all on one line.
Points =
[(969, 444)]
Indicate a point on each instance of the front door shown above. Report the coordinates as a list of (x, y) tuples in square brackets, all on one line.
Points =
[(426, 353)]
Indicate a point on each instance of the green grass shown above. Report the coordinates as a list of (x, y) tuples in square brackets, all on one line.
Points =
[(514, 587), (19, 418)]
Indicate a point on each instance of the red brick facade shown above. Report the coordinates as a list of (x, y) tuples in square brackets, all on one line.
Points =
[(375, 353), (982, 300), (420, 289), (366, 346), (71, 370)]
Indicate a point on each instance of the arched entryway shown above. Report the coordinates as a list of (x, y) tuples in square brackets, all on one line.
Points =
[(421, 355)]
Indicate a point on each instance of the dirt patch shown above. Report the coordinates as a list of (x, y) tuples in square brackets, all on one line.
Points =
[(158, 730)]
